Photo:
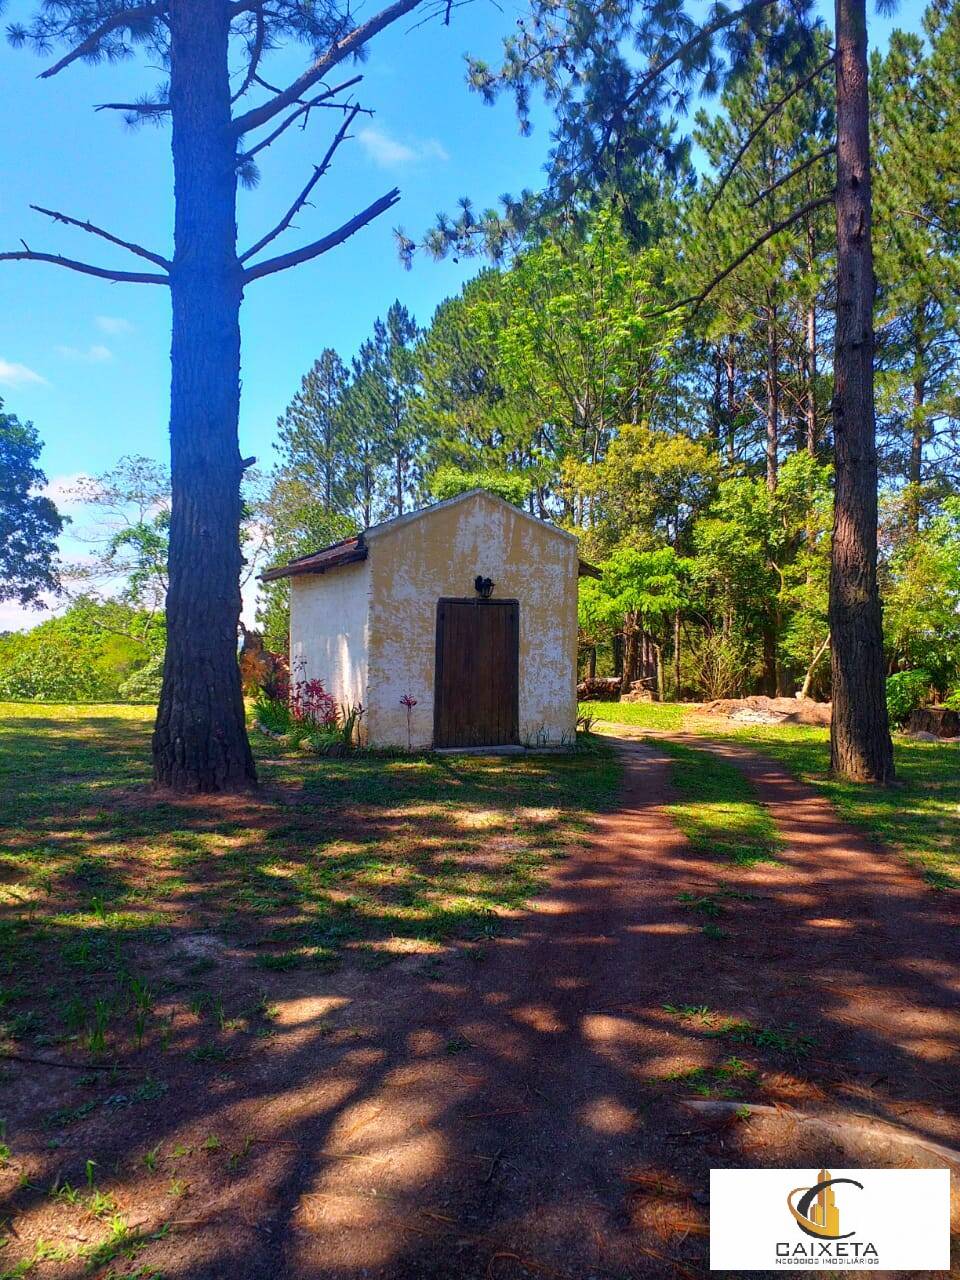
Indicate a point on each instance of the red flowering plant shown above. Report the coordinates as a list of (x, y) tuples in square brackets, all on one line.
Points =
[(295, 706), (310, 702), (409, 701)]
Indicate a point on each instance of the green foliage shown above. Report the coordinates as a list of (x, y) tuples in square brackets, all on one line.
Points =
[(144, 684), (272, 714), (129, 510), (651, 584), (762, 558), (29, 522), (906, 690), (449, 481), (87, 654), (922, 597)]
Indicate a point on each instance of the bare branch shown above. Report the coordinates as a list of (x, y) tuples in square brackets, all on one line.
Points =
[(345, 48), (119, 277), (104, 235), (301, 199), (760, 126), (124, 18), (256, 53), (287, 260), (695, 301), (794, 173), (304, 107), (142, 108)]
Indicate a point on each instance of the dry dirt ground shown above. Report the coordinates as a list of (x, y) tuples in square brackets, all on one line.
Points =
[(522, 1109)]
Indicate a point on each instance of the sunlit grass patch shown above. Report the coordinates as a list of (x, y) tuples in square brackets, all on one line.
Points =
[(919, 816), (645, 715), (718, 810), (140, 908)]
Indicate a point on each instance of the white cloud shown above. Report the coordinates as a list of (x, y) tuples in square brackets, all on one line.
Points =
[(113, 325), (62, 490), (97, 353), (18, 375), (388, 153), (17, 617)]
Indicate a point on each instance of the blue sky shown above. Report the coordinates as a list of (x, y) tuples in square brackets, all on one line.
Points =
[(87, 360)]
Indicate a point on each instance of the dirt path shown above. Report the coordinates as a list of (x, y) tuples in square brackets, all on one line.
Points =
[(516, 1111), (510, 1115)]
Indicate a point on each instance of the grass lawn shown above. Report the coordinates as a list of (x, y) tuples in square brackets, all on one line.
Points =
[(920, 816), (646, 715), (718, 810), (147, 944), (122, 897)]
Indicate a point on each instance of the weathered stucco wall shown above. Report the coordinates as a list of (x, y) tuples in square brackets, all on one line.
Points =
[(329, 615), (413, 562)]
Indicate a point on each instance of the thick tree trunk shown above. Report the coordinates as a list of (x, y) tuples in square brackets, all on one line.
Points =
[(860, 747), (200, 740)]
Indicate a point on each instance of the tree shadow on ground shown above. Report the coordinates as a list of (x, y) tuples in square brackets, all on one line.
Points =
[(511, 1105)]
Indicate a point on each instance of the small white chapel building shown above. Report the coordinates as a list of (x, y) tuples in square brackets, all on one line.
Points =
[(466, 609)]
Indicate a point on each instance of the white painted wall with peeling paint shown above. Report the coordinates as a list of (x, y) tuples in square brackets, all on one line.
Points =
[(369, 630), (329, 624)]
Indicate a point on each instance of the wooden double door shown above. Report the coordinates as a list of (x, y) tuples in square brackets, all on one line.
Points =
[(477, 681)]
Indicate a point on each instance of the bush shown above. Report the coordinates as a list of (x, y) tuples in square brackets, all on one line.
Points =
[(310, 719), (272, 714), (50, 673), (718, 665), (144, 685), (84, 655), (906, 690), (953, 700)]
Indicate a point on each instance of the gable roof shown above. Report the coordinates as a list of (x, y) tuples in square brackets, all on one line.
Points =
[(347, 551), (351, 550)]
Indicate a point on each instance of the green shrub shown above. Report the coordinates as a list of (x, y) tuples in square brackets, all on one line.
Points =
[(82, 655), (906, 690), (144, 684), (272, 714), (51, 673), (953, 700)]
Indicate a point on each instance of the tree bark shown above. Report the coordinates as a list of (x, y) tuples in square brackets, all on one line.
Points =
[(676, 655), (773, 394), (200, 740), (915, 476), (808, 678), (631, 646), (860, 747), (810, 337)]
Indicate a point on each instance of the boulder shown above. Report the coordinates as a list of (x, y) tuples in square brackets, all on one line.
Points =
[(763, 710)]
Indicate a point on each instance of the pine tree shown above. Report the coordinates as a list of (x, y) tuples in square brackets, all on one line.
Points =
[(916, 108), (312, 444), (200, 741), (610, 119)]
